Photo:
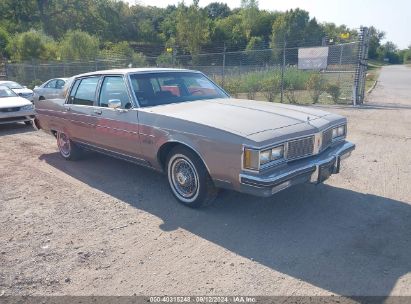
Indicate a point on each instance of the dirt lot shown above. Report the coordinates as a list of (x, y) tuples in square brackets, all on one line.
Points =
[(105, 227)]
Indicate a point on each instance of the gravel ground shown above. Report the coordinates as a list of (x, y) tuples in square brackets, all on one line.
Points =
[(101, 226)]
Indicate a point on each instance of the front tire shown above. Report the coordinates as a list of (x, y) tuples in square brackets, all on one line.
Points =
[(67, 148), (189, 179)]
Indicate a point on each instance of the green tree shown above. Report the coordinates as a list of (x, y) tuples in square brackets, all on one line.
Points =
[(389, 51), (334, 33), (18, 16), (229, 30), (4, 41), (296, 27), (407, 55), (375, 42), (32, 45), (217, 10), (192, 27), (249, 14), (77, 45)]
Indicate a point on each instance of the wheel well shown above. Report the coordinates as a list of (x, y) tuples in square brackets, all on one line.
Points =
[(166, 149)]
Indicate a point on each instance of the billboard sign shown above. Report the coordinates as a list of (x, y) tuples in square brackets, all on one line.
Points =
[(315, 58)]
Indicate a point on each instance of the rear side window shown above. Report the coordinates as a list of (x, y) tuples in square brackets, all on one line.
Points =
[(84, 91), (51, 84)]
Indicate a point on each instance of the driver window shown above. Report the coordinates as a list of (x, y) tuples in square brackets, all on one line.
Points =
[(114, 88)]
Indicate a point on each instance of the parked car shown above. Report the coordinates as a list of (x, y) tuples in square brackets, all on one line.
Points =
[(179, 122), (50, 89), (17, 88), (14, 108)]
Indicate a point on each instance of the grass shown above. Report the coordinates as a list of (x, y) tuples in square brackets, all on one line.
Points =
[(372, 75), (266, 85)]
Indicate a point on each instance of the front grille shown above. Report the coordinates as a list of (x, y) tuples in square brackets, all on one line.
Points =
[(9, 119), (300, 148), (6, 110), (327, 138)]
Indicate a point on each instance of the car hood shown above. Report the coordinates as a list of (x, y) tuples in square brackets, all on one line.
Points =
[(22, 91), (242, 117), (12, 102)]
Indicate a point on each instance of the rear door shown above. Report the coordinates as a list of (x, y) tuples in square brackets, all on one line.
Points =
[(80, 110), (117, 129), (59, 88), (49, 89)]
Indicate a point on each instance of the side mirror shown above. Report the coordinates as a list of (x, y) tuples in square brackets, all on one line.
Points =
[(25, 87), (114, 103)]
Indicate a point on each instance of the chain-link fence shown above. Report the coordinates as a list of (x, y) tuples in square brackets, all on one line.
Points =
[(310, 74)]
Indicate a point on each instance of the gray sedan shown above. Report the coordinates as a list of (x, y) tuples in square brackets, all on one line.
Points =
[(179, 122), (50, 89)]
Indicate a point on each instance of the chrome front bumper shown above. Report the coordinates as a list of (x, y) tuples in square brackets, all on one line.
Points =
[(17, 116), (315, 169)]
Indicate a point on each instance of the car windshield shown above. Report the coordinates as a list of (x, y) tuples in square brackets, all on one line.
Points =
[(13, 85), (153, 89), (6, 92)]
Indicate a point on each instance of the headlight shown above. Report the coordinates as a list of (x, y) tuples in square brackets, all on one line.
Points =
[(339, 131), (253, 159), (27, 108)]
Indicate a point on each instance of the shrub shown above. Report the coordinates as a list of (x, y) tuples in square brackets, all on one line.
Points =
[(78, 45), (165, 60), (233, 86), (335, 91), (316, 86), (252, 84), (290, 95), (139, 60), (297, 79), (31, 45), (271, 87), (34, 83)]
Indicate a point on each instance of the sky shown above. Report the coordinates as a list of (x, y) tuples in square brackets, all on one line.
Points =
[(393, 17)]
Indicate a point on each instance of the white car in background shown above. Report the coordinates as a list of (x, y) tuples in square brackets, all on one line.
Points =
[(17, 88), (50, 89), (14, 108)]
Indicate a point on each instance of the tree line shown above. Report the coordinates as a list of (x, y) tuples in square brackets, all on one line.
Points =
[(81, 29)]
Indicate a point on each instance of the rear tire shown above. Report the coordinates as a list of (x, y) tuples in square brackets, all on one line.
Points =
[(189, 179), (67, 148)]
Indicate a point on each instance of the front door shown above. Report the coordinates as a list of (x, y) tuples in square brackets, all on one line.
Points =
[(80, 110), (117, 128)]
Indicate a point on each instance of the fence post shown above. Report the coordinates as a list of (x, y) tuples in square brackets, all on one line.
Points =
[(33, 62), (223, 68), (341, 57), (6, 70), (282, 70), (361, 69), (173, 57)]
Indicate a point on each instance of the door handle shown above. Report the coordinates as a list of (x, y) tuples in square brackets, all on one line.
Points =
[(98, 112)]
